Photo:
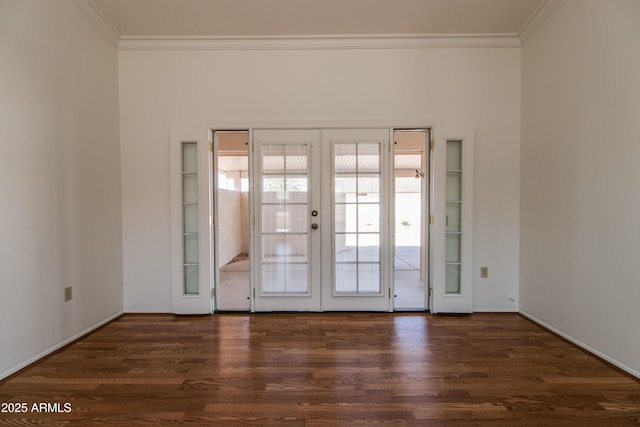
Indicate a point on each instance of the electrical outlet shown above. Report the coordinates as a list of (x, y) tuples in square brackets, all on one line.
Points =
[(67, 293), (484, 272)]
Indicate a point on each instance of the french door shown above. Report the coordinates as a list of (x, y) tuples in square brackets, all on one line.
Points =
[(320, 203), (355, 256), (286, 215)]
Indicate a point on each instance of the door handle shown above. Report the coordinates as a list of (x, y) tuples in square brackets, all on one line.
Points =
[(314, 226)]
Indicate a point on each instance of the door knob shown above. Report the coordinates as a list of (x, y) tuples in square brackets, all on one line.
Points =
[(314, 226), (314, 213)]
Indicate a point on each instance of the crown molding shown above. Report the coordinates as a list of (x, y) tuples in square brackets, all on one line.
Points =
[(100, 21), (374, 41), (537, 17)]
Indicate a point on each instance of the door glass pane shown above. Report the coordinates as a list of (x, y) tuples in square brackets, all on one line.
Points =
[(296, 189), (453, 247), (191, 285), (454, 187), (346, 218), (296, 248), (296, 158), (369, 247), (368, 278), (284, 212), (296, 218), (345, 158), (368, 189), (453, 257), (368, 218), (273, 278), (357, 218), (273, 157), (189, 188), (454, 155), (368, 157), (346, 278), (273, 189), (191, 249), (189, 157), (296, 278), (273, 218), (190, 218), (346, 247), (453, 217), (452, 279), (232, 228), (346, 188), (274, 248)]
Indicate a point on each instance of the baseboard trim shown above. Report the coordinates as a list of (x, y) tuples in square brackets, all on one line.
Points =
[(147, 312), (607, 359), (57, 347)]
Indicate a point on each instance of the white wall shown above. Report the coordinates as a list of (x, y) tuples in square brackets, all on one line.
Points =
[(580, 176), (230, 230), (60, 220), (479, 88)]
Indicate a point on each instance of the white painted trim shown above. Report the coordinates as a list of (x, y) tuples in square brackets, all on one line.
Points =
[(313, 42), (582, 345), (148, 311), (58, 346), (537, 17), (100, 21)]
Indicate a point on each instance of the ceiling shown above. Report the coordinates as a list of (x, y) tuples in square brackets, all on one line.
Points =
[(230, 18)]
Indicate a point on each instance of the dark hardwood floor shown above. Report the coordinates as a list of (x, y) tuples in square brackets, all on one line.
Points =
[(322, 370)]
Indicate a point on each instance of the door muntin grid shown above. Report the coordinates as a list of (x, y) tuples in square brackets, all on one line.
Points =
[(284, 207), (357, 213)]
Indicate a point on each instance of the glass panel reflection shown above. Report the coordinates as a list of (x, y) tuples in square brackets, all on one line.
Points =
[(273, 278), (369, 278), (453, 248), (345, 157), (452, 279), (191, 280), (454, 155), (454, 186), (296, 248), (296, 280), (368, 218), (189, 188), (453, 217), (346, 278), (369, 247), (346, 247), (368, 189), (189, 157), (368, 157), (190, 216), (191, 249)]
